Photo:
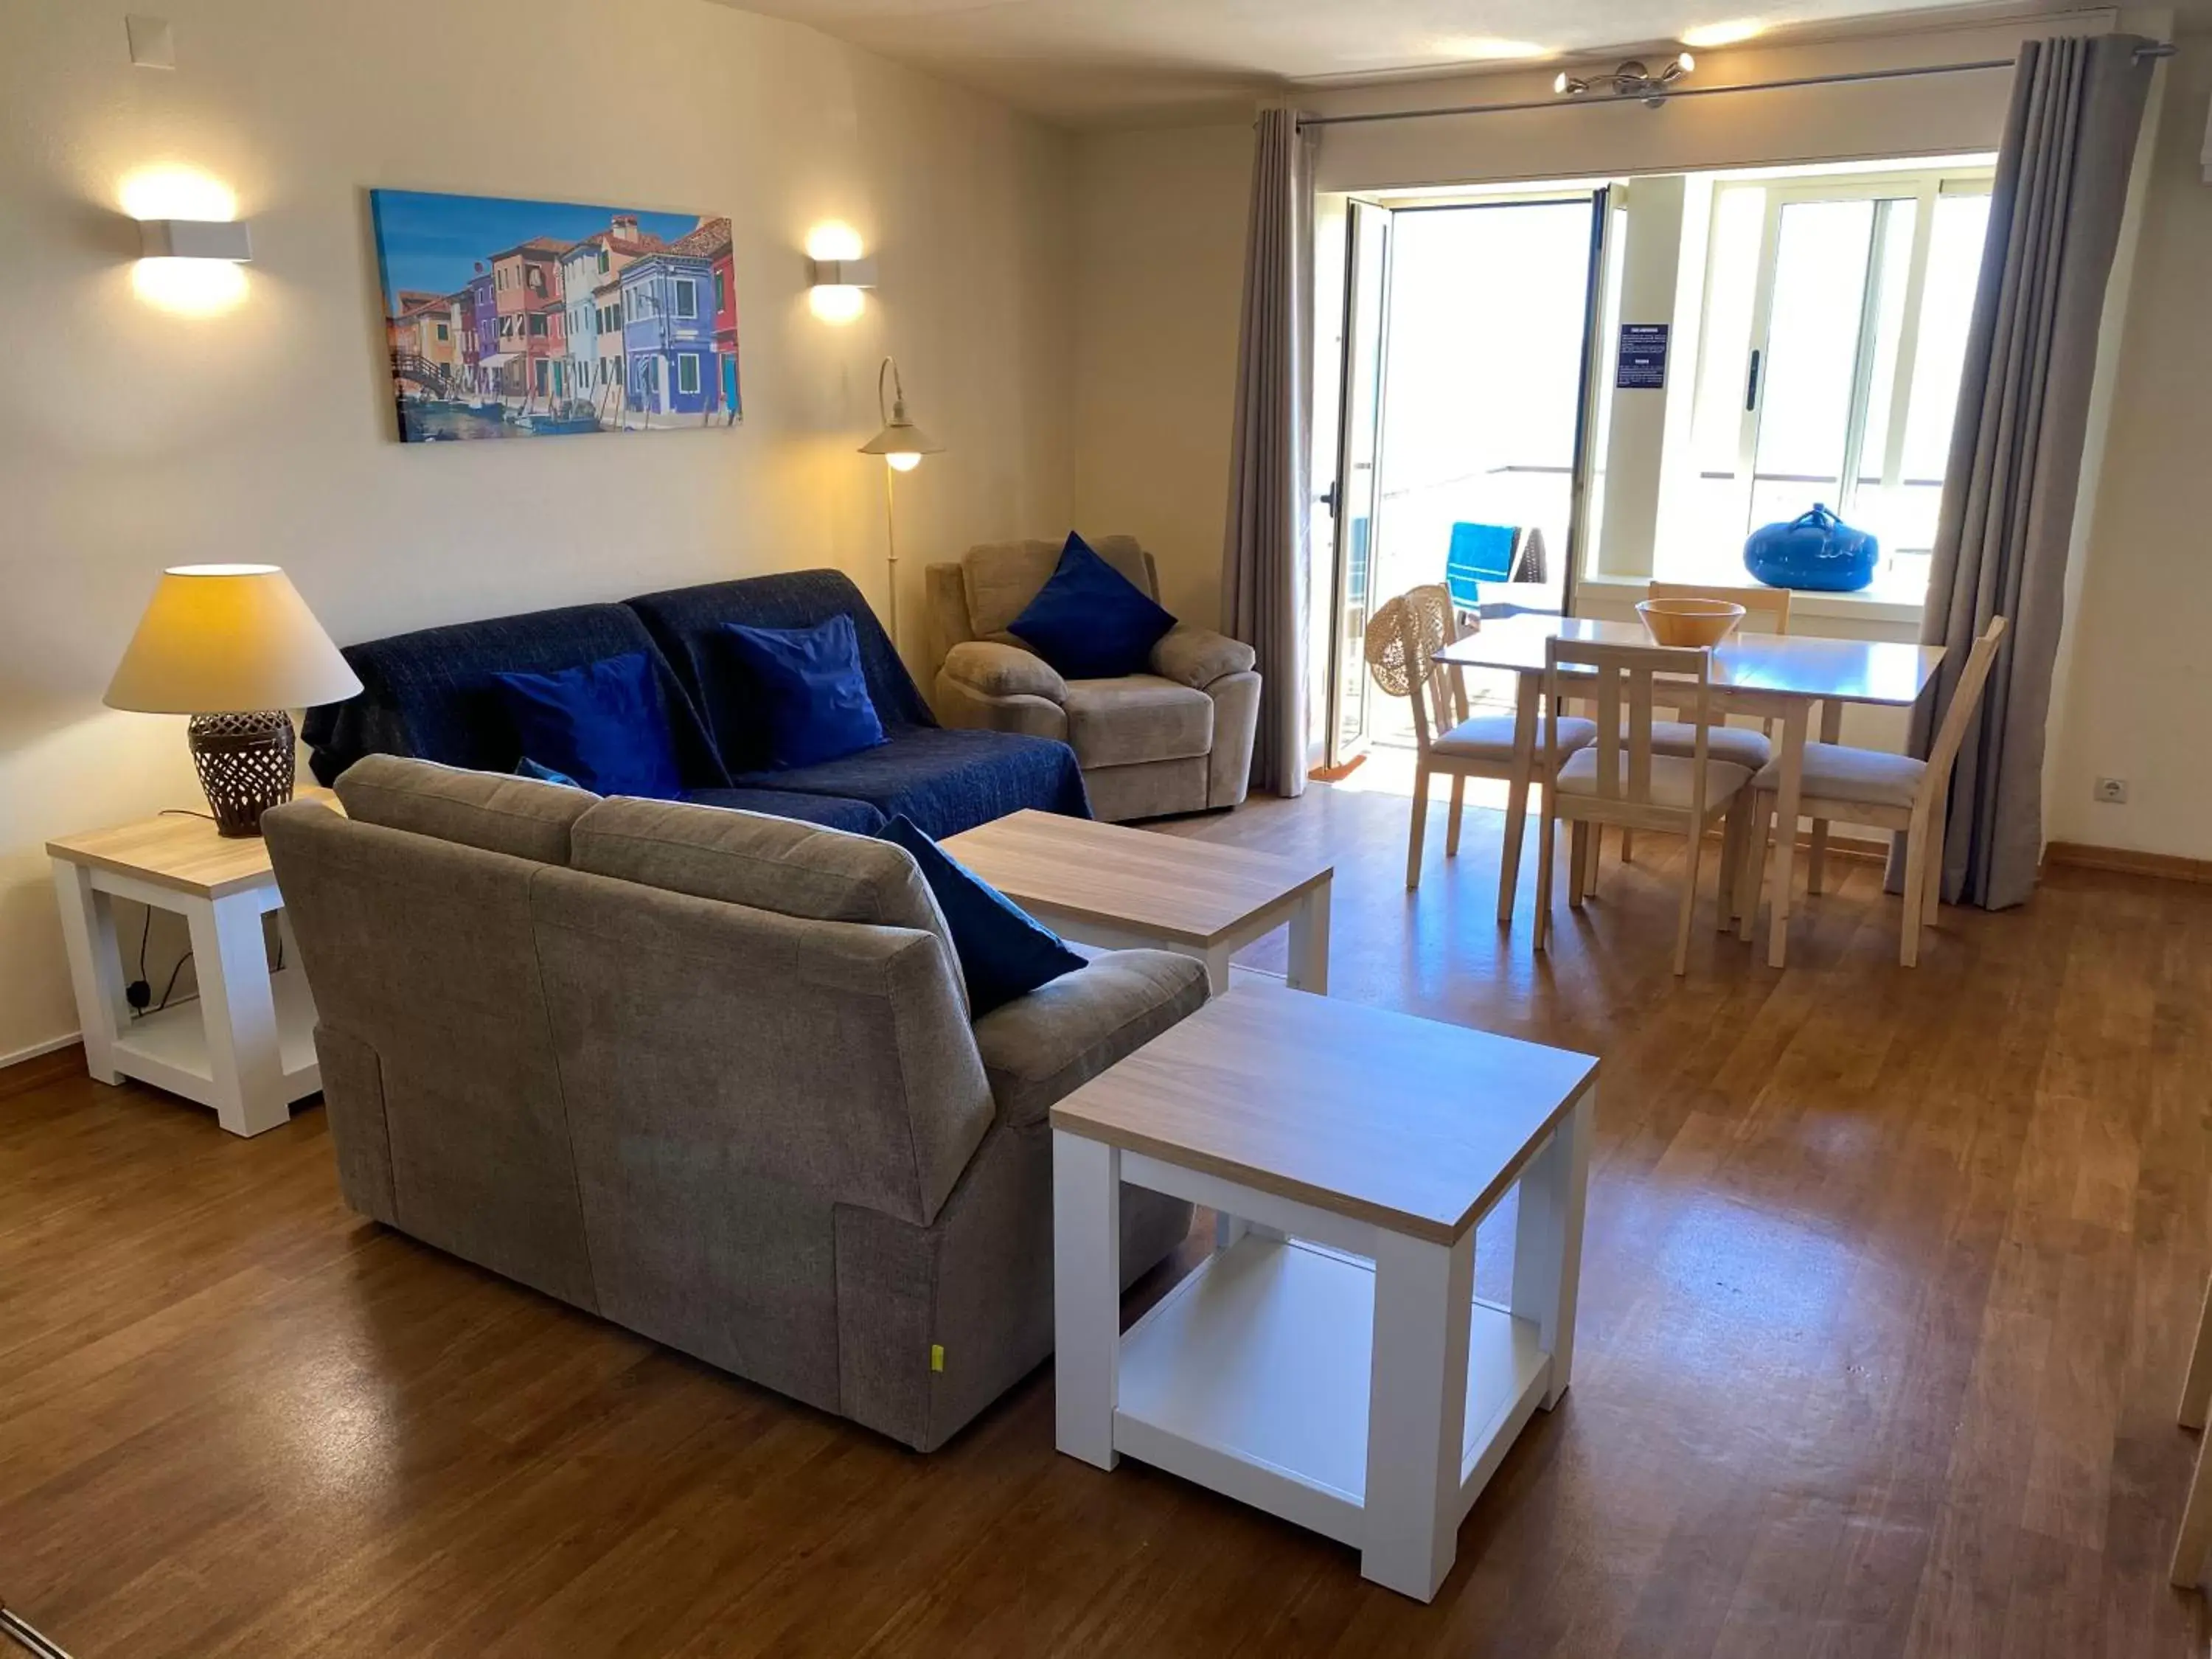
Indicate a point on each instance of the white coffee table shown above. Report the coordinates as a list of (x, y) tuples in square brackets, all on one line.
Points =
[(1330, 1363), (1111, 885)]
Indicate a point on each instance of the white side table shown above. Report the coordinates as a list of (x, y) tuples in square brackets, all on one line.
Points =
[(1330, 1363), (247, 1046)]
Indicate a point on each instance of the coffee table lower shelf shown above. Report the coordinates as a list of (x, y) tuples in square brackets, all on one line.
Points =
[(1251, 1378)]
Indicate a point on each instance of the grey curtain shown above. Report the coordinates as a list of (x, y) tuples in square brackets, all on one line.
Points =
[(1264, 556), (2009, 489)]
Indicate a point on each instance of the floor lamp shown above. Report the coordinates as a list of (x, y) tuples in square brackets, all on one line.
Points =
[(902, 444)]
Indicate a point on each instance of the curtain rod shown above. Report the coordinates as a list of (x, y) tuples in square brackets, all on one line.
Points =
[(1848, 78)]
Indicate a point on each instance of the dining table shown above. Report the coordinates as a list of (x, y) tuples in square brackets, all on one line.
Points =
[(1774, 677)]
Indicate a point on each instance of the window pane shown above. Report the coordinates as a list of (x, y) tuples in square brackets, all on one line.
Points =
[(1739, 218), (1897, 222), (1888, 512), (1812, 351), (1955, 260)]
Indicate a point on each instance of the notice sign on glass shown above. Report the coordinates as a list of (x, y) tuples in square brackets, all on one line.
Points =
[(1643, 365)]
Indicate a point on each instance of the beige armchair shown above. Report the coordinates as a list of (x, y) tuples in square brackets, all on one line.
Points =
[(1175, 739)]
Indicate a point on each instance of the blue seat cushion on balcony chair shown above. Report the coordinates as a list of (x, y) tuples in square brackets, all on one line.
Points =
[(946, 781), (687, 624), (833, 812), (431, 694)]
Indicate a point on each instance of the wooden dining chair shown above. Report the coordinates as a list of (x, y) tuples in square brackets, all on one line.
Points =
[(1874, 787), (1402, 640), (1739, 745), (1621, 779), (2194, 1540)]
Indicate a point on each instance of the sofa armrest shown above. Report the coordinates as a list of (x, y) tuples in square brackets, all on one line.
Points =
[(1198, 656), (1040, 1048), (1003, 670)]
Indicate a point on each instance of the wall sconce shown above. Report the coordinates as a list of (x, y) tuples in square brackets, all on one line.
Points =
[(840, 277), (191, 243)]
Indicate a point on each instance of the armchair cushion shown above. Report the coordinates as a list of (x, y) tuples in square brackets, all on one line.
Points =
[(1198, 656), (1136, 717), (1089, 621), (1003, 670), (1039, 1048), (1003, 952)]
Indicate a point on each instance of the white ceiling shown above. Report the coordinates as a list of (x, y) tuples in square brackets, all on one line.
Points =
[(1083, 62)]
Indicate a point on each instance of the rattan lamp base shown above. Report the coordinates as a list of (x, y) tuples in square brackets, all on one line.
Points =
[(245, 764)]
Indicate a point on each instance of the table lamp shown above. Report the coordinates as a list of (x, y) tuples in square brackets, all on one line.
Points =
[(235, 647)]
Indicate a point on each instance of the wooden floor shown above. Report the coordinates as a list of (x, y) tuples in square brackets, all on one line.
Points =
[(1889, 1285)]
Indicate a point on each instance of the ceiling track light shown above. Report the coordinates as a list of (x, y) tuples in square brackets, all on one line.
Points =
[(1632, 79)]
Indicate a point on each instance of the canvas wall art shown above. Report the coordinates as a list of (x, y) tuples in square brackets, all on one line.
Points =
[(521, 319)]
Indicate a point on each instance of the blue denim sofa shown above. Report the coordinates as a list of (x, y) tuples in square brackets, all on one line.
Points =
[(429, 695)]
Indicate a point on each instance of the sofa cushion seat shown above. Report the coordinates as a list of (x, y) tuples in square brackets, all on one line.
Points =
[(945, 780), (832, 811), (1137, 717)]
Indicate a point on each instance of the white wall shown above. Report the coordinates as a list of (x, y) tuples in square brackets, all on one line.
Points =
[(130, 439), (2137, 700), (1159, 284)]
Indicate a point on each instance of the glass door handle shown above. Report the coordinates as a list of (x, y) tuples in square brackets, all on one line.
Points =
[(1751, 382), (1327, 498)]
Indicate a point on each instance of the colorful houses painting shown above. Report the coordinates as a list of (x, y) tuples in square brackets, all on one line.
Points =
[(519, 319)]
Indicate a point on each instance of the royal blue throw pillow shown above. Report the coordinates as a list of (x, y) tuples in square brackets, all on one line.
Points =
[(601, 725), (1090, 622), (812, 692), (1004, 951), (528, 768)]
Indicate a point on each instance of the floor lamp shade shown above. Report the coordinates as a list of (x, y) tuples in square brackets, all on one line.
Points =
[(235, 647)]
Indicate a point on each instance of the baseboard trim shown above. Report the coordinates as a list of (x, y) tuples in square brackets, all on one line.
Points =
[(39, 1050), (2165, 866)]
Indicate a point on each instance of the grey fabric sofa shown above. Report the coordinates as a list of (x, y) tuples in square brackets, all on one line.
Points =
[(709, 1074), (1176, 739)]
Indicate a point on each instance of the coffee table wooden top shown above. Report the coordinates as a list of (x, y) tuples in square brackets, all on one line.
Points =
[(1192, 892), (1410, 1124), (179, 850)]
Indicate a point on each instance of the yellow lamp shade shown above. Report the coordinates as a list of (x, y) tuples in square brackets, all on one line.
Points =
[(228, 638)]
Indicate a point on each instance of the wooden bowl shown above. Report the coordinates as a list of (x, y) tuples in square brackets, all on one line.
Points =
[(1689, 621)]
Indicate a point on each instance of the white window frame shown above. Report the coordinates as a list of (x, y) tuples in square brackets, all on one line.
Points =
[(687, 361), (687, 298), (1923, 185)]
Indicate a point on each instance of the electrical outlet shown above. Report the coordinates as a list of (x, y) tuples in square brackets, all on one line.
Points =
[(2112, 791)]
